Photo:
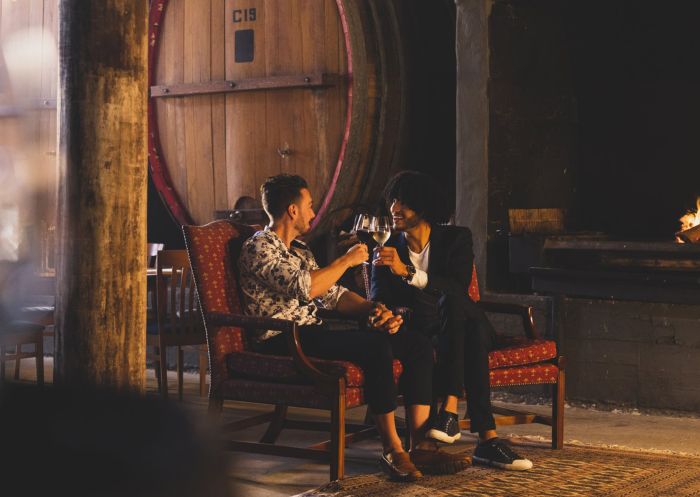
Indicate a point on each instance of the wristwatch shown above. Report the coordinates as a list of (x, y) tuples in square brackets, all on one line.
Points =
[(411, 272)]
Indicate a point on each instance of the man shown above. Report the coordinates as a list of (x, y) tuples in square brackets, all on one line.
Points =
[(280, 279), (428, 267)]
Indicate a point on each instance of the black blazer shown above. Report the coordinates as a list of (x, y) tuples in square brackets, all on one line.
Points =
[(449, 267)]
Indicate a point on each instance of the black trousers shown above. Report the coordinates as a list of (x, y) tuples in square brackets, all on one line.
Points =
[(374, 352), (463, 338)]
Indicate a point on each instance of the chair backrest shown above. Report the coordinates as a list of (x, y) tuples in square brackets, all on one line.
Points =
[(177, 309), (152, 250), (213, 251), (474, 286)]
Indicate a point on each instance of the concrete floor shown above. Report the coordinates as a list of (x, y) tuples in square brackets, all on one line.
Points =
[(264, 476)]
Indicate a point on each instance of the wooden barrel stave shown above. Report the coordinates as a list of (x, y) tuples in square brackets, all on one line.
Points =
[(345, 138)]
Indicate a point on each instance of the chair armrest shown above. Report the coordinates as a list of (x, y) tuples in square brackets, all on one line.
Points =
[(244, 321), (524, 311), (331, 314), (323, 380)]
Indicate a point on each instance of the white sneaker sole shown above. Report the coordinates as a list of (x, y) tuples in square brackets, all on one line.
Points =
[(441, 436), (517, 465)]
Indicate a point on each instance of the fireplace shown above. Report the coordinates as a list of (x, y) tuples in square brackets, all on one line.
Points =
[(638, 271), (592, 111)]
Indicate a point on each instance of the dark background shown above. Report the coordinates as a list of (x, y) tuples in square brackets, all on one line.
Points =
[(594, 108)]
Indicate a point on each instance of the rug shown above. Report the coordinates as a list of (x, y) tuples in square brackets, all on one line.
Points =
[(573, 471)]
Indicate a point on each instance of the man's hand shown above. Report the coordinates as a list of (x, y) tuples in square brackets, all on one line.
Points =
[(388, 256), (356, 255), (381, 318)]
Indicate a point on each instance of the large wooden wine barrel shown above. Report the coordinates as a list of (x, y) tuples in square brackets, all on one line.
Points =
[(244, 89)]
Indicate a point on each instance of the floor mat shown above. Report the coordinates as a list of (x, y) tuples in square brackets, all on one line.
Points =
[(573, 471)]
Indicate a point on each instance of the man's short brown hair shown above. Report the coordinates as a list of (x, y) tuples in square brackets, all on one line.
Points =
[(279, 192)]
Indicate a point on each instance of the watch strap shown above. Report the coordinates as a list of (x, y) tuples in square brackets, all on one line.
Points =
[(411, 273)]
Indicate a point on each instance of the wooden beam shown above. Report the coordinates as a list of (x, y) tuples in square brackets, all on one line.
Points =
[(277, 450), (350, 438), (101, 270), (253, 84), (243, 424)]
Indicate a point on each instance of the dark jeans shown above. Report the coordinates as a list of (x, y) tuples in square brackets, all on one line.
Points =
[(374, 352), (463, 338)]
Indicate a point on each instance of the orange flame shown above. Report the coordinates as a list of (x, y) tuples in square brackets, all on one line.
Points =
[(691, 219)]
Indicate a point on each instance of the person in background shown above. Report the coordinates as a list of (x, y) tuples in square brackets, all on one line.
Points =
[(427, 266), (249, 210), (279, 278)]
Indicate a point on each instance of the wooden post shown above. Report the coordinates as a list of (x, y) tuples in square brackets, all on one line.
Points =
[(101, 270), (472, 41)]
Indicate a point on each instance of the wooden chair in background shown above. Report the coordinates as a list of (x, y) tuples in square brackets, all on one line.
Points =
[(152, 351), (13, 336), (26, 310), (178, 320), (152, 250)]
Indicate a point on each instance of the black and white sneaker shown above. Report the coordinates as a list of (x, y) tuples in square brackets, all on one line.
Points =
[(445, 428), (495, 452)]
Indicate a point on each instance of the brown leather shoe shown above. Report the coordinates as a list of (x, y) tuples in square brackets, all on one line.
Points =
[(399, 467), (438, 462)]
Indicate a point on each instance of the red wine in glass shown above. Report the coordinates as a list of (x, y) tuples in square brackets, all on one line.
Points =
[(361, 228)]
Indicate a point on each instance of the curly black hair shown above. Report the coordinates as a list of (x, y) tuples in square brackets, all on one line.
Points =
[(421, 193)]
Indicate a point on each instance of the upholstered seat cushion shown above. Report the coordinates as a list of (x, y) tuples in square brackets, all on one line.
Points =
[(517, 351), (537, 374), (255, 366)]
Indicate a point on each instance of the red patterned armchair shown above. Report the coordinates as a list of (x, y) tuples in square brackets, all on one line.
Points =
[(524, 360), (237, 373), (521, 360)]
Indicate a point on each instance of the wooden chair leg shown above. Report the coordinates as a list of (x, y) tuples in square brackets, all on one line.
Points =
[(558, 396), (407, 435), (156, 365), (39, 349), (180, 377), (369, 417), (18, 351), (216, 406), (163, 371), (338, 434), (203, 363), (276, 425), (2, 363)]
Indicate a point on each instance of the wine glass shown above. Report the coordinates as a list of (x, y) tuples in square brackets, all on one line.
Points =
[(380, 227), (361, 228)]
